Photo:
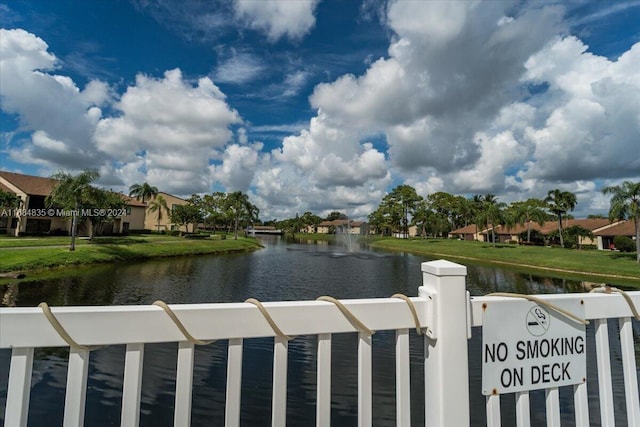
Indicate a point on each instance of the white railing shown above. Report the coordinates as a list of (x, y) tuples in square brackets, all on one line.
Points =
[(445, 313)]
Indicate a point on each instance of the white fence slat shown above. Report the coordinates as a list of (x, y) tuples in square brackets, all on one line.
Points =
[(364, 380), (630, 372), (19, 387), (493, 411), (581, 404), (603, 359), (184, 384), (323, 400), (76, 394), (552, 402), (279, 399), (523, 409), (132, 385), (403, 379), (234, 383)]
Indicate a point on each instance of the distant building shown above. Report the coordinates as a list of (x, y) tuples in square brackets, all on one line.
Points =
[(156, 221), (604, 236), (343, 226), (597, 226), (40, 219)]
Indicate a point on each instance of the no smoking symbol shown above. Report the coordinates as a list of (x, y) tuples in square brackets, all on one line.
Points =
[(538, 321)]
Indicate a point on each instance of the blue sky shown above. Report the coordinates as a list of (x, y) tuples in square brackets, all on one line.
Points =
[(325, 105)]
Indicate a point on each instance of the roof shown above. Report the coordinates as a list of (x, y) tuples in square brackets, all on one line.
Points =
[(623, 228), (29, 184), (469, 229), (132, 201), (591, 224), (264, 227), (5, 188), (341, 222)]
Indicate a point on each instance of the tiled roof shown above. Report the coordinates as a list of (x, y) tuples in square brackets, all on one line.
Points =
[(591, 224), (132, 201), (5, 188), (625, 228), (33, 185), (469, 229)]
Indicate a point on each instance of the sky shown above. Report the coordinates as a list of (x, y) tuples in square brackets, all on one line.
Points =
[(324, 105)]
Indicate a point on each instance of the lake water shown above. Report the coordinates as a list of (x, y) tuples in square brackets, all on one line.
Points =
[(284, 270)]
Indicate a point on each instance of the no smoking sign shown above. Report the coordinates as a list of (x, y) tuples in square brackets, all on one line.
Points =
[(526, 346)]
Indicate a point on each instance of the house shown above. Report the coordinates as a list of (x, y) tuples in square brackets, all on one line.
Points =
[(134, 218), (35, 217), (470, 232), (604, 236), (412, 231), (343, 226), (32, 190), (505, 234), (159, 219)]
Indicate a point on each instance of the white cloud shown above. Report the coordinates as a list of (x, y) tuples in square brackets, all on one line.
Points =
[(277, 19), (239, 68), (238, 166), (176, 127), (593, 119), (61, 115)]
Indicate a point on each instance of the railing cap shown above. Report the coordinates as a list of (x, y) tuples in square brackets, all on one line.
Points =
[(442, 267)]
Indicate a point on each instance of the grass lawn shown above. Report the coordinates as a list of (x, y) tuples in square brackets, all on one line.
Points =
[(570, 263), (14, 256)]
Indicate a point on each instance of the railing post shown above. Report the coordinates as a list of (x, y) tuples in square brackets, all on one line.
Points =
[(446, 364)]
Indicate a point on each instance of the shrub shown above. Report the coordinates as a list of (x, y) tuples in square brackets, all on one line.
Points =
[(624, 244), (537, 238)]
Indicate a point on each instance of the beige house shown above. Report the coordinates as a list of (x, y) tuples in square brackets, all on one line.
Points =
[(35, 217), (342, 226), (32, 190), (161, 221), (134, 219)]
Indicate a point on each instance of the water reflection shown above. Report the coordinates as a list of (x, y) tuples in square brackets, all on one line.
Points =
[(284, 270)]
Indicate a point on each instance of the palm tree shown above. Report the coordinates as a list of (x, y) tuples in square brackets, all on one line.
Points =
[(143, 191), (625, 203), (560, 202), (526, 212), (71, 193), (491, 213), (159, 205)]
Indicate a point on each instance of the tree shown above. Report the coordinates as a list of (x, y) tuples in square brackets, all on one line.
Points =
[(103, 205), (186, 214), (491, 213), (242, 210), (575, 233), (73, 193), (158, 206), (143, 191), (560, 202), (310, 220), (625, 204), (528, 211), (404, 199), (9, 200), (422, 215), (336, 215), (213, 207)]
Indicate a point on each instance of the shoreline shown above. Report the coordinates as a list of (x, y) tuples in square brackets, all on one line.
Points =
[(585, 274), (46, 260)]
